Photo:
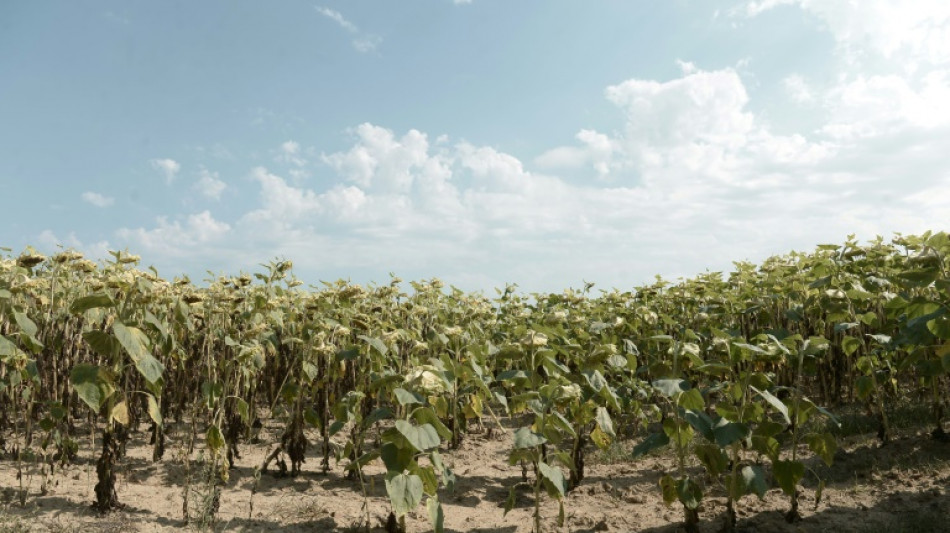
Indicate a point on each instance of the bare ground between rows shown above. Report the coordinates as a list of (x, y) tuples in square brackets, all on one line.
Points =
[(903, 486)]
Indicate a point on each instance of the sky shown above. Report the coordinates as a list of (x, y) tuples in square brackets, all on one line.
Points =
[(538, 142)]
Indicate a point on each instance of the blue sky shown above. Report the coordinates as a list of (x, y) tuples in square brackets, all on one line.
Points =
[(541, 142)]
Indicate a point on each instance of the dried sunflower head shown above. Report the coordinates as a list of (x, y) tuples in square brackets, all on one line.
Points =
[(30, 258)]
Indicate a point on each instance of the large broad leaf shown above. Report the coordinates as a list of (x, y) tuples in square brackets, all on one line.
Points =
[(395, 458), (92, 383), (727, 433), (824, 445), (670, 387), (940, 327), (405, 397), (691, 399), (377, 344), (712, 458), (26, 325), (604, 422), (525, 438), (654, 441), (136, 345), (788, 474), (555, 479), (425, 415), (120, 413), (774, 402), (93, 301), (7, 348), (754, 480), (155, 411), (689, 492), (421, 437), (701, 423), (405, 492)]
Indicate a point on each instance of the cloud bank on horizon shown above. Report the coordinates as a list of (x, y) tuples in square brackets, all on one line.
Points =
[(688, 172)]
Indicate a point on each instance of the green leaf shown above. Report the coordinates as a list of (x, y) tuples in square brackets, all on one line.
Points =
[(92, 383), (136, 344), (243, 409), (774, 402), (421, 437), (525, 438), (93, 301), (405, 492), (377, 344), (679, 431), (430, 483), (701, 423), (755, 480), (425, 415), (26, 325), (727, 432), (864, 386), (850, 345), (154, 410), (556, 484), (395, 458), (7, 348), (692, 400), (436, 516), (670, 387), (788, 474), (103, 343), (510, 501), (653, 442), (363, 460), (824, 445), (604, 422), (689, 492), (405, 397), (668, 489), (940, 327), (712, 458)]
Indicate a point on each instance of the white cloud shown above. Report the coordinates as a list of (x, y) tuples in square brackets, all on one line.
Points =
[(798, 90), (168, 167), (363, 42), (871, 106), (291, 154), (912, 33), (174, 239), (96, 199), (209, 184)]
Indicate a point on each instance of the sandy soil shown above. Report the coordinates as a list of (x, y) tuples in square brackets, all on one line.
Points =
[(900, 487)]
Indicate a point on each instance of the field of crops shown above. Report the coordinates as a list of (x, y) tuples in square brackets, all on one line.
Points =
[(253, 402)]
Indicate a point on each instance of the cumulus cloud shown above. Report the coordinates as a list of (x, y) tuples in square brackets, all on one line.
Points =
[(96, 199), (209, 184), (168, 167), (912, 32), (177, 238), (362, 42)]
